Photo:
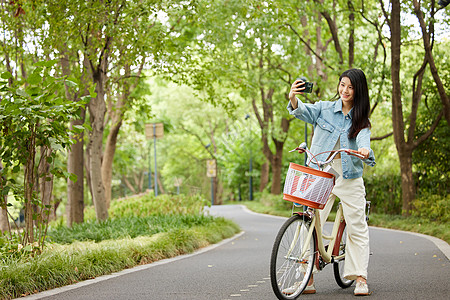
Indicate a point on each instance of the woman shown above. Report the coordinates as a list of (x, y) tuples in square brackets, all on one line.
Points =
[(343, 124)]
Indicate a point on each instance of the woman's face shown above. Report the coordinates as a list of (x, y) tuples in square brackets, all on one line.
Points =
[(346, 91)]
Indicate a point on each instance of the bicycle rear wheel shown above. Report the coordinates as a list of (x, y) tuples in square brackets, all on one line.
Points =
[(339, 265), (292, 258)]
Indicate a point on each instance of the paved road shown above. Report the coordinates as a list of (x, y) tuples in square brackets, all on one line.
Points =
[(403, 266)]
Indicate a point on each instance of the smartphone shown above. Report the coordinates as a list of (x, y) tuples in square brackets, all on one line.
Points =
[(308, 85)]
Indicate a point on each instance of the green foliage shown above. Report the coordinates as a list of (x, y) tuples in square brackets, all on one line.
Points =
[(9, 245), (34, 114), (235, 147), (275, 201), (149, 205), (433, 207), (136, 216), (125, 227), (384, 192)]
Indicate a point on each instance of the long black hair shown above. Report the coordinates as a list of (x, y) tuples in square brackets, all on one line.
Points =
[(361, 102)]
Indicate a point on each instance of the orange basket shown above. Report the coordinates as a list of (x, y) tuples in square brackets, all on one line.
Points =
[(307, 186)]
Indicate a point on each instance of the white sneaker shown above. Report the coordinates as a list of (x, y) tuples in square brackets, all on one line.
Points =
[(361, 289), (292, 289), (310, 289)]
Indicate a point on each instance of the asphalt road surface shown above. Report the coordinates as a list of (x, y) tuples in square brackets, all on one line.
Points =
[(402, 266)]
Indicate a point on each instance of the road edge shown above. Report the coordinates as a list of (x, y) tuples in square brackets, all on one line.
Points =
[(442, 245), (66, 288)]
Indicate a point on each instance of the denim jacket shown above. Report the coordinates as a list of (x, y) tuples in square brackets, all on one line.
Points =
[(330, 124)]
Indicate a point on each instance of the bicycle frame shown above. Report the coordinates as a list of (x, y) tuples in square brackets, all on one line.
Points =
[(301, 246), (328, 253)]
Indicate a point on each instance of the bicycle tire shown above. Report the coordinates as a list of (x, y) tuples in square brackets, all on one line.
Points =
[(338, 266), (290, 273)]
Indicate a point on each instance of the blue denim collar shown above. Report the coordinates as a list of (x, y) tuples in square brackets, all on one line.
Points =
[(338, 108)]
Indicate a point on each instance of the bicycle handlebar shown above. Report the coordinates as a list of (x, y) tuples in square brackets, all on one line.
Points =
[(319, 163)]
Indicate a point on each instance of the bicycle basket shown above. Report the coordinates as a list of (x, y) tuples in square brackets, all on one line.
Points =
[(307, 186)]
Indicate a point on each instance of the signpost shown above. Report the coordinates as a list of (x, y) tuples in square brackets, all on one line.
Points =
[(154, 130), (211, 171)]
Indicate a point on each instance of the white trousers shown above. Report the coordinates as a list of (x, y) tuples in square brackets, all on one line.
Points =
[(352, 194)]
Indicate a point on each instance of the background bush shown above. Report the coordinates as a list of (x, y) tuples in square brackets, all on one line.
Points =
[(149, 205), (433, 207), (385, 193), (126, 227)]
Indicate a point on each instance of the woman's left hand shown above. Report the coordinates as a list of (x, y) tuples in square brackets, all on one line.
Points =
[(364, 152)]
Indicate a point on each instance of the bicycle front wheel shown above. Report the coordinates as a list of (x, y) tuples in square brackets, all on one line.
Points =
[(338, 266), (293, 257)]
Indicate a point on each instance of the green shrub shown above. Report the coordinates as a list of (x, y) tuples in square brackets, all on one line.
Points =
[(275, 201), (125, 227), (385, 193), (149, 205), (129, 217), (433, 207)]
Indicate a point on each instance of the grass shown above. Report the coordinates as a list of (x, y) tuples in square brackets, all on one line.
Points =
[(127, 227), (422, 225), (140, 231), (61, 265)]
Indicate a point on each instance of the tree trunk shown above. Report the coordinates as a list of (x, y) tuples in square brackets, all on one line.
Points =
[(45, 184), (116, 114), (219, 193), (4, 222), (408, 184), (351, 38), (75, 190), (87, 163), (264, 179), (29, 183), (141, 182), (129, 185), (276, 169), (397, 109), (75, 155), (405, 147), (108, 158), (160, 185), (97, 111), (265, 121)]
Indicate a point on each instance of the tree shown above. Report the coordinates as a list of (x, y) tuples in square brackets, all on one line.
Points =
[(116, 111), (4, 221), (111, 41), (261, 48), (73, 68), (407, 144), (428, 42), (33, 116)]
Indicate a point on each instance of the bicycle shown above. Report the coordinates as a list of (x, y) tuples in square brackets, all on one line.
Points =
[(297, 248)]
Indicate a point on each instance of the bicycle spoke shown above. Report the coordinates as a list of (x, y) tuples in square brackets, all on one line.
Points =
[(292, 259)]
